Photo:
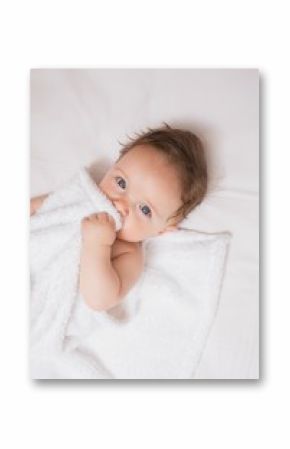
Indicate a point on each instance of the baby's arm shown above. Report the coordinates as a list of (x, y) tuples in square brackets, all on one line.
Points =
[(104, 283), (36, 202)]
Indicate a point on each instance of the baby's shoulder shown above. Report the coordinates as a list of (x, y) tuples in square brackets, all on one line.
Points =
[(121, 247)]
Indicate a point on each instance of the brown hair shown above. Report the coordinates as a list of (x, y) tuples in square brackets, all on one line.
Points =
[(184, 150)]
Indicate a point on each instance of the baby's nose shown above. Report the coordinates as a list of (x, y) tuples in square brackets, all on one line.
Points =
[(122, 208)]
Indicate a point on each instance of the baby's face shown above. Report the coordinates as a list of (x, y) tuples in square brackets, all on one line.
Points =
[(145, 189)]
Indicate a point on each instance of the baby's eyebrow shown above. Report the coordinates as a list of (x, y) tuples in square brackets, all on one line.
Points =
[(117, 168), (150, 204)]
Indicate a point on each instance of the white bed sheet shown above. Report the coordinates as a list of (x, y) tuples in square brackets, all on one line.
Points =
[(78, 117)]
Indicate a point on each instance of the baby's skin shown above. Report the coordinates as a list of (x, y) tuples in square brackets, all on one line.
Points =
[(146, 191)]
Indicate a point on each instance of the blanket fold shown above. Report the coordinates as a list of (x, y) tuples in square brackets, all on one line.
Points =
[(55, 244)]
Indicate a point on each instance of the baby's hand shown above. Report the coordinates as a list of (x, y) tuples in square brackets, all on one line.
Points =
[(99, 229)]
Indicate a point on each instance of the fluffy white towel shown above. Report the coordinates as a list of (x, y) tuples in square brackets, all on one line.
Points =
[(160, 329), (55, 244), (172, 308)]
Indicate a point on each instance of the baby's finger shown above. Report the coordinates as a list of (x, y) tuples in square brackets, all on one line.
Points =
[(93, 217), (101, 216), (108, 217), (112, 221)]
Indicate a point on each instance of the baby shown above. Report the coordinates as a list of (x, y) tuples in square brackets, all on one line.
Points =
[(159, 177)]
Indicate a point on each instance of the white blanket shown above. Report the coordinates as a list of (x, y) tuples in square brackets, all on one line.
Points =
[(161, 327), (55, 244), (172, 309)]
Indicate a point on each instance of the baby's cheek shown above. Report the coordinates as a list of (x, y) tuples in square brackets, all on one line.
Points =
[(129, 228), (132, 231)]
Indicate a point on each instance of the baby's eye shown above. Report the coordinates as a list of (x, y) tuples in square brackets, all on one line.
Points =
[(146, 211), (121, 182)]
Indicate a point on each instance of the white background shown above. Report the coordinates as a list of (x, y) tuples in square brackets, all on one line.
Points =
[(78, 116), (159, 414)]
